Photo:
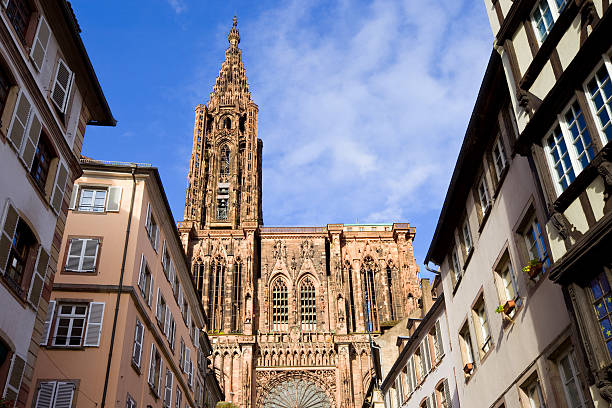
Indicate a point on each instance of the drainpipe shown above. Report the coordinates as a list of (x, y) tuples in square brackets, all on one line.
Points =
[(127, 237)]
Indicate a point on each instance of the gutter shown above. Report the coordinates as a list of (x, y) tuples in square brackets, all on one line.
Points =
[(112, 340)]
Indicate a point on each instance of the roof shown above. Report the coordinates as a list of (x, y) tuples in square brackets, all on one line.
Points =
[(493, 91)]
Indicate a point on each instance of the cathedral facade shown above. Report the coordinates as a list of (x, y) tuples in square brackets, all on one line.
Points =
[(290, 309)]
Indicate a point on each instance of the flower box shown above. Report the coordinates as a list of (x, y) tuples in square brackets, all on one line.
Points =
[(468, 368), (509, 306), (533, 268)]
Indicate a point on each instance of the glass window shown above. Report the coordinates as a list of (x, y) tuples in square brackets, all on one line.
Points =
[(467, 350), (536, 248), (508, 279), (42, 159), (602, 302), (534, 395), (482, 326), (308, 306), (599, 90), (70, 325), (19, 12), (23, 242), (467, 237), (280, 306), (456, 267), (483, 195), (93, 200), (5, 86), (82, 255), (561, 161), (571, 382), (544, 15), (499, 157), (579, 134)]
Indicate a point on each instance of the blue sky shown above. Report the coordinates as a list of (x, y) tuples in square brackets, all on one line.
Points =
[(362, 104)]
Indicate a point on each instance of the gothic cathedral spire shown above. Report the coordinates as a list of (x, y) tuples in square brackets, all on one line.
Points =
[(224, 188)]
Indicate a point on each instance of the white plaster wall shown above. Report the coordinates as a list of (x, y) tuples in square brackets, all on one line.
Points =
[(492, 14), (570, 43), (595, 192), (522, 49), (544, 82)]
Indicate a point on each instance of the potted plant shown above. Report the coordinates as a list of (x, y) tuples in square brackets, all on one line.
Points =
[(533, 268), (468, 368)]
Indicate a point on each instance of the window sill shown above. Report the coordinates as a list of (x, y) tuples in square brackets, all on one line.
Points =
[(485, 355), (468, 258), (66, 272), (56, 347), (76, 211), (485, 217), (154, 391)]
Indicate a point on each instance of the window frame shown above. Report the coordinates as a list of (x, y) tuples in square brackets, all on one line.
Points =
[(71, 317), (607, 63), (67, 255), (569, 354), (94, 191), (480, 320), (555, 13)]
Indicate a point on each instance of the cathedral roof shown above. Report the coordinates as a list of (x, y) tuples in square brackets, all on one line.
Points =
[(231, 86)]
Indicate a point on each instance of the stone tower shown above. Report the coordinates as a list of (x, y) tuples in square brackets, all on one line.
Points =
[(289, 308)]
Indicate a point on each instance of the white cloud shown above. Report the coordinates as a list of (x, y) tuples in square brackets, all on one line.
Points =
[(178, 6)]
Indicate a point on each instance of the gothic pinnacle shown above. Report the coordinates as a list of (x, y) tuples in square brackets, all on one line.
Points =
[(234, 36)]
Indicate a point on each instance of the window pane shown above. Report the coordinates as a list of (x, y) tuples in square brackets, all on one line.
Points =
[(580, 135), (563, 169), (600, 92)]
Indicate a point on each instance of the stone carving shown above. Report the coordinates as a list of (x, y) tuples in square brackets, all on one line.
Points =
[(604, 383), (605, 171)]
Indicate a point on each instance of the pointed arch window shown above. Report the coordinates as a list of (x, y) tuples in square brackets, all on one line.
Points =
[(224, 162), (390, 293), (280, 306), (367, 279), (353, 326), (216, 281), (308, 305), (237, 297)]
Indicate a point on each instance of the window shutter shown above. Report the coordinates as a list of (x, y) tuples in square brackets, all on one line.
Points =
[(164, 258), (182, 354), (41, 40), (31, 141), (157, 307), (187, 359), (150, 291), (148, 219), (196, 337), (447, 395), (168, 390), (434, 401), (46, 392), (159, 376), (172, 331), (19, 121), (180, 299), (64, 395), (188, 319), (74, 254), (427, 355), (167, 321), (141, 276), (439, 343), (47, 324), (138, 337), (38, 279), (156, 237), (14, 378), (73, 196), (60, 185), (90, 255), (114, 199), (151, 363), (11, 218), (94, 324), (190, 375), (171, 273), (428, 402), (61, 85)]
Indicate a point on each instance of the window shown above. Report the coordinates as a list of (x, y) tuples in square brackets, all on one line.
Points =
[(566, 163), (367, 278), (21, 246), (308, 305), (436, 335), (425, 357), (483, 195), (499, 157), (62, 85), (93, 200), (155, 370), (19, 13), (483, 334), (138, 341), (145, 281), (55, 394), (222, 209), (160, 309), (602, 302), (536, 248), (467, 237), (412, 381), (152, 228), (82, 255), (544, 16), (509, 286), (280, 305), (467, 351), (599, 91), (237, 296), (443, 394), (168, 389), (182, 355), (71, 329), (455, 268), (5, 86), (224, 162), (171, 332), (179, 397), (533, 392), (42, 160), (166, 261), (571, 381), (390, 292)]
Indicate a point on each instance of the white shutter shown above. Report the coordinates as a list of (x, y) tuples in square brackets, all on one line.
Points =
[(75, 249), (164, 258), (167, 321), (113, 204), (187, 359), (59, 186), (41, 40), (47, 325), (439, 343), (73, 196), (151, 362), (64, 395), (94, 324), (171, 273), (172, 331), (157, 308), (11, 219), (150, 291), (90, 255), (11, 392), (31, 140), (180, 300), (156, 237), (148, 219), (141, 275), (61, 85), (196, 337), (188, 318), (38, 278), (168, 388), (159, 376), (138, 337), (190, 375), (46, 392), (447, 395), (19, 121)]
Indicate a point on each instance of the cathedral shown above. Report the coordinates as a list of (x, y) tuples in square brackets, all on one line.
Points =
[(291, 310)]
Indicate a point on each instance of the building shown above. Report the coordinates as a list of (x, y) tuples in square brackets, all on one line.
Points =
[(421, 376), (557, 59), (49, 92), (495, 261), (289, 308), (125, 324)]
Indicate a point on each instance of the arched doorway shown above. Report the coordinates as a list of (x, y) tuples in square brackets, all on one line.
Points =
[(297, 393)]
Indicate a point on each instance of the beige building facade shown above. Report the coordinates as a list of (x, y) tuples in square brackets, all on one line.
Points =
[(49, 93), (125, 326), (289, 308)]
